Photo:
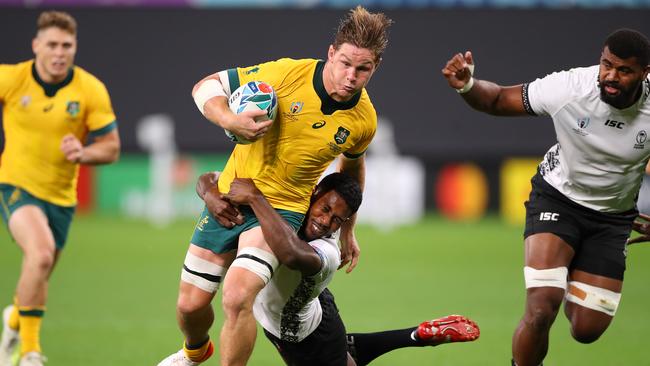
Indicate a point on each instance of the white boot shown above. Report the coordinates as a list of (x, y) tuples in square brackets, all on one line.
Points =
[(8, 340)]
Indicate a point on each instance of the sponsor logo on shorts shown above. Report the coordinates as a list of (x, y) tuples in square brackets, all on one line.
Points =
[(15, 197), (201, 224), (549, 216)]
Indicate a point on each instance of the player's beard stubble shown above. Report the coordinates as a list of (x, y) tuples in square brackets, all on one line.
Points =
[(625, 96)]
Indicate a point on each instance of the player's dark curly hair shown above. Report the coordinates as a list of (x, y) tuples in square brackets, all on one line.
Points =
[(344, 185), (626, 43), (364, 29)]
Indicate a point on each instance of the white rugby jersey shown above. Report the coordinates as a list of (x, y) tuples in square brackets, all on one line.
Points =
[(288, 306), (601, 154)]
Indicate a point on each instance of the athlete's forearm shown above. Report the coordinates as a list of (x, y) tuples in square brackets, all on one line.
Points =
[(283, 240), (494, 99), (104, 150), (217, 111), (483, 96)]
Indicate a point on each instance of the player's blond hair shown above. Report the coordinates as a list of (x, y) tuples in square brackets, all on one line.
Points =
[(58, 19), (364, 29)]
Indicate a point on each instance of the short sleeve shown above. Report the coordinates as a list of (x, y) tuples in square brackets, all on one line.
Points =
[(549, 94), (7, 73), (100, 114), (272, 73), (327, 250), (360, 147)]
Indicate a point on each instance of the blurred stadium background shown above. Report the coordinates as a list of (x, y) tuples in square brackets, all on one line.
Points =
[(443, 212)]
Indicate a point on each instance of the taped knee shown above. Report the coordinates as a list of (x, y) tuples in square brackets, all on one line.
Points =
[(553, 277), (258, 261), (594, 298), (201, 273)]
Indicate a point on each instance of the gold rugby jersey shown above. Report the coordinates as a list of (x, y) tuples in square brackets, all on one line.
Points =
[(310, 130), (36, 116)]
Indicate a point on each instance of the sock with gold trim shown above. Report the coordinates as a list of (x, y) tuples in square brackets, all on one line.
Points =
[(30, 318), (199, 352)]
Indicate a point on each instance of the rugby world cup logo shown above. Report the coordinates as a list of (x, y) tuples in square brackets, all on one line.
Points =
[(296, 107), (583, 122)]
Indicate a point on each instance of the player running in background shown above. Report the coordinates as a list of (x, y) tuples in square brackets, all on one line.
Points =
[(296, 310), (49, 107), (323, 112), (582, 205)]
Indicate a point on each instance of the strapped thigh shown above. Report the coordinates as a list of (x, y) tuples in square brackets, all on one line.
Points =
[(552, 277), (592, 297), (202, 273), (258, 261)]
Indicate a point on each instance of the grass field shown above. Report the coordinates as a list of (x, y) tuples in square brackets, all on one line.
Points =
[(113, 294)]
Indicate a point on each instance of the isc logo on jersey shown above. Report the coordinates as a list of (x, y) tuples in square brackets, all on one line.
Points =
[(252, 96)]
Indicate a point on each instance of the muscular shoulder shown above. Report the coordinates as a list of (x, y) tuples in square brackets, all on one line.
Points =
[(88, 81), (12, 74), (549, 94)]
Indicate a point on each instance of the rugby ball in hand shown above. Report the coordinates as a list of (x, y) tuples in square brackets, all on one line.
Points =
[(252, 96)]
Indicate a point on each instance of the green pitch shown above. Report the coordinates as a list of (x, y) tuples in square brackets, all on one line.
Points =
[(112, 296)]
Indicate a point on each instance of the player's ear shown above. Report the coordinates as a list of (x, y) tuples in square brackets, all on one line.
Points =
[(35, 43), (330, 52)]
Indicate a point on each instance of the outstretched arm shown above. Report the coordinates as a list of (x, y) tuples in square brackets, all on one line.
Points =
[(290, 250), (484, 96)]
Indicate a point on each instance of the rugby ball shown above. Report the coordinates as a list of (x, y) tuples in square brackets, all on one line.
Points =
[(252, 96)]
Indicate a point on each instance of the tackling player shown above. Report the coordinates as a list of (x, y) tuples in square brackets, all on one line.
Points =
[(296, 310), (323, 112), (582, 205), (50, 107)]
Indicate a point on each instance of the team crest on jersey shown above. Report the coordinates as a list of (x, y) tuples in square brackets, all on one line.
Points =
[(25, 100), (641, 138), (72, 108), (296, 107), (341, 135)]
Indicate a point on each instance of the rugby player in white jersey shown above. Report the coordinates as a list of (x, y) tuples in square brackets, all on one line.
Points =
[(296, 310), (583, 201)]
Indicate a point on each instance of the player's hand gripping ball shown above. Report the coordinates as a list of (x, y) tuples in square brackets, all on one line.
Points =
[(252, 96)]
